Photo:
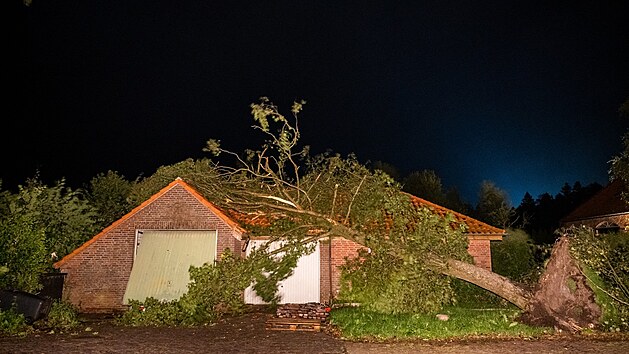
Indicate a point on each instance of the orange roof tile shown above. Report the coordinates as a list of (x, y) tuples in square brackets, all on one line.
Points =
[(176, 182), (475, 228)]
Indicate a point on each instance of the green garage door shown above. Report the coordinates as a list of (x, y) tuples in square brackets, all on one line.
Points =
[(160, 268)]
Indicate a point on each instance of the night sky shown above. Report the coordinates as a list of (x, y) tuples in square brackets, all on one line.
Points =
[(521, 93)]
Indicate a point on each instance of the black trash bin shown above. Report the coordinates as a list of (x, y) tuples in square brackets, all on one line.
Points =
[(52, 285), (32, 306)]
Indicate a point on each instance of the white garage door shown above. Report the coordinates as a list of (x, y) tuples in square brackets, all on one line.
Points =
[(300, 288)]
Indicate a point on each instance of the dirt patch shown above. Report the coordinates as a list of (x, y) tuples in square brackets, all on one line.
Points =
[(247, 334)]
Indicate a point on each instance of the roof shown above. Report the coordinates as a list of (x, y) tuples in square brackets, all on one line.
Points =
[(608, 201), (177, 182), (475, 228)]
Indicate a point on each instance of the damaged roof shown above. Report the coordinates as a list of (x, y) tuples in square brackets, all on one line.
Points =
[(475, 228)]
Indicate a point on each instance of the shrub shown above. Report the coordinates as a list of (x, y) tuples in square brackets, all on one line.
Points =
[(152, 312), (62, 316), (13, 323), (607, 256), (518, 258), (23, 254)]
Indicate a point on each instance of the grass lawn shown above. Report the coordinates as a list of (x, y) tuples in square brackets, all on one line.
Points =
[(359, 324)]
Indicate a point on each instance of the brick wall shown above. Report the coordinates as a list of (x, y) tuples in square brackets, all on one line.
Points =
[(480, 250), (97, 276), (343, 249), (622, 220), (324, 271)]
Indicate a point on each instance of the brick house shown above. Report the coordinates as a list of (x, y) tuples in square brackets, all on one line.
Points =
[(606, 211), (148, 251)]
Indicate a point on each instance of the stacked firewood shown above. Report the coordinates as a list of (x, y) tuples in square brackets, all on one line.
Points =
[(311, 310)]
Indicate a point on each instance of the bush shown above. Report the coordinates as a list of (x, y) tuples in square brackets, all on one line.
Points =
[(62, 316), (153, 312), (13, 323), (607, 256), (518, 258), (23, 255)]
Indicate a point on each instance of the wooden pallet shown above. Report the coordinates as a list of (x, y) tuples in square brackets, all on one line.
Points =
[(294, 324)]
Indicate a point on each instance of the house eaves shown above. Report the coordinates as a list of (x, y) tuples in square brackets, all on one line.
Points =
[(476, 229), (177, 182)]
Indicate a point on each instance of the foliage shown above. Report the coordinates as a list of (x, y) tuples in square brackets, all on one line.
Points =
[(268, 268), (385, 167), (362, 324), (109, 195), (468, 295), (493, 205), (455, 201), (189, 170), (23, 252), (303, 198), (152, 312), (518, 258), (62, 316), (620, 162), (398, 291), (540, 217), (214, 290), (383, 281), (13, 323), (614, 317), (40, 224), (607, 255), (425, 184), (65, 215)]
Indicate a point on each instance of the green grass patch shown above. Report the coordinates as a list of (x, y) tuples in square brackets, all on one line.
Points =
[(359, 324), (613, 318)]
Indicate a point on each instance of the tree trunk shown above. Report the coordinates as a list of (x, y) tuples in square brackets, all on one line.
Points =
[(563, 298), (486, 279)]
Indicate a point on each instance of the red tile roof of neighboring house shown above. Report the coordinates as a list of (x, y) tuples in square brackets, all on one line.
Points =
[(475, 228), (607, 201)]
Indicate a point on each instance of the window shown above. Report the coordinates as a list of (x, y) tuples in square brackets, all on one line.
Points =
[(607, 227)]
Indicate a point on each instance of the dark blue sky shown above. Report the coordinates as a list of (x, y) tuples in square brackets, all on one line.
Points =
[(525, 94)]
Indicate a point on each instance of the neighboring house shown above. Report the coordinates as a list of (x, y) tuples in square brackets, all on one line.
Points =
[(147, 253), (606, 211)]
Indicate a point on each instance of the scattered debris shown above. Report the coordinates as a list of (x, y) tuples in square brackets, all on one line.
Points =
[(442, 317)]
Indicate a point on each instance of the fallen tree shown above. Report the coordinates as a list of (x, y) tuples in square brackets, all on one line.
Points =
[(301, 198)]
